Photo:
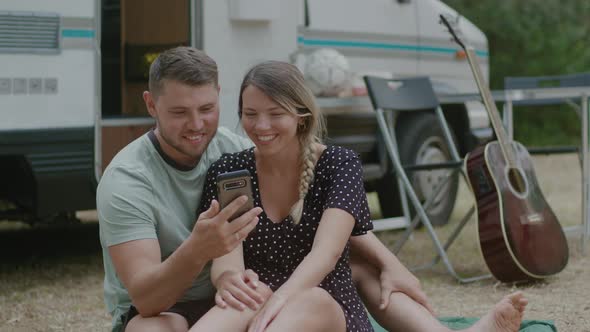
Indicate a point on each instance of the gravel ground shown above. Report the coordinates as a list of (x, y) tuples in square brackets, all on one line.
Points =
[(564, 298), (51, 278)]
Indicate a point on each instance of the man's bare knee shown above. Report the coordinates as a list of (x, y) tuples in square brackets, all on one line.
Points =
[(355, 268), (317, 301), (363, 272), (164, 322)]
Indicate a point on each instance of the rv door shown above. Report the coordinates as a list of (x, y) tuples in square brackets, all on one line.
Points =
[(134, 32)]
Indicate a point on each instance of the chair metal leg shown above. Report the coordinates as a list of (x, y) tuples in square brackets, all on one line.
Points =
[(392, 152), (459, 227), (449, 138), (398, 245), (415, 221), (456, 232), (585, 175), (449, 242)]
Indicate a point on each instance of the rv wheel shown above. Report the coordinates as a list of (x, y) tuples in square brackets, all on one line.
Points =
[(421, 140)]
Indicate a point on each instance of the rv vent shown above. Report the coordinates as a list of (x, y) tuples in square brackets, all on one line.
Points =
[(29, 32)]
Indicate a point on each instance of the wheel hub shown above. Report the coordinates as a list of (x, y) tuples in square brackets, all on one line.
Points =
[(425, 182)]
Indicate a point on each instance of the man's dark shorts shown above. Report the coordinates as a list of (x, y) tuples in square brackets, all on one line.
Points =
[(192, 311)]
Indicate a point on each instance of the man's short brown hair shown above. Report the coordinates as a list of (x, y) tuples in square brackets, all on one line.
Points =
[(187, 65)]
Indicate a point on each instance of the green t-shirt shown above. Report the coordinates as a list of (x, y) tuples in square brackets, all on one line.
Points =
[(141, 195)]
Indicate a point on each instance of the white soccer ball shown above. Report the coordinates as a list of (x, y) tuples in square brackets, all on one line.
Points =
[(327, 72)]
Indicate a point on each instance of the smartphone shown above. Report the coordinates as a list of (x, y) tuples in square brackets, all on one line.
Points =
[(232, 185)]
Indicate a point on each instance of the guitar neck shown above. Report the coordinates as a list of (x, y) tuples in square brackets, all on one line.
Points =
[(490, 106)]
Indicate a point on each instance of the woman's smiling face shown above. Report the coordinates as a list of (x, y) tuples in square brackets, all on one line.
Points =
[(271, 127)]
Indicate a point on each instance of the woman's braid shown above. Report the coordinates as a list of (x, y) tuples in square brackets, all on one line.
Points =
[(308, 160)]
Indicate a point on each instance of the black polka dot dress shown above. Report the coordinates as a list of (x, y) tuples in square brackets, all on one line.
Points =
[(274, 250)]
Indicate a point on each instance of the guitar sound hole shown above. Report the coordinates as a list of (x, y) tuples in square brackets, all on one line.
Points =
[(517, 181)]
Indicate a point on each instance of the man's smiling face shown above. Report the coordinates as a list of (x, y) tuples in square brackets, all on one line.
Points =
[(186, 119)]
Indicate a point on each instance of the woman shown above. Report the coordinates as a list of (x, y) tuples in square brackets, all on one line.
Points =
[(313, 200)]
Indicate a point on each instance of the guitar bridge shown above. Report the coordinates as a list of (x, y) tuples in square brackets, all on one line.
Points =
[(533, 218)]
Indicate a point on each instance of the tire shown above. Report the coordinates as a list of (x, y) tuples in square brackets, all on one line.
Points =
[(388, 194), (421, 140)]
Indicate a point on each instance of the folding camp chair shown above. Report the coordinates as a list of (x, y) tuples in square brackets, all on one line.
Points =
[(537, 82), (409, 95)]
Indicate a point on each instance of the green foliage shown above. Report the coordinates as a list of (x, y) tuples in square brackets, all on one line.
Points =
[(535, 38), (546, 126)]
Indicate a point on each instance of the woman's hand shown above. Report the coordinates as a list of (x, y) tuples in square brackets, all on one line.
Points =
[(401, 280), (238, 289), (266, 315)]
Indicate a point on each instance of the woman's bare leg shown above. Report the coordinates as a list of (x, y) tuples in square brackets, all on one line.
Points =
[(229, 319), (312, 310), (402, 311), (405, 314)]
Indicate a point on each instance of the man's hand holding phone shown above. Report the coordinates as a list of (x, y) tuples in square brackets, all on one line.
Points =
[(215, 236), (232, 185)]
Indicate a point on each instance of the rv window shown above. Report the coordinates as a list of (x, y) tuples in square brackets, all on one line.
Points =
[(138, 59)]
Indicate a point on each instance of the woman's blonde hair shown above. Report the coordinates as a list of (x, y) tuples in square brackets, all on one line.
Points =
[(285, 85)]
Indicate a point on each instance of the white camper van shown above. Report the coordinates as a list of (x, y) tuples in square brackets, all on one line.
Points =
[(72, 73)]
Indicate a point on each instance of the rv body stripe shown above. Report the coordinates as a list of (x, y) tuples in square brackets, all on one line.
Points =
[(380, 45), (77, 33)]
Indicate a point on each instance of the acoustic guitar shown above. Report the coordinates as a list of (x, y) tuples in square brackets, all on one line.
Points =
[(519, 235)]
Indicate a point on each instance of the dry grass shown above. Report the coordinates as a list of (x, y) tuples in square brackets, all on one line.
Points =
[(564, 298), (51, 278)]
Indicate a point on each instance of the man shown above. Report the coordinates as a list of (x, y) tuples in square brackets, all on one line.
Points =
[(156, 257)]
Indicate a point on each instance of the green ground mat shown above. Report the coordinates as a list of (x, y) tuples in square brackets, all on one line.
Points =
[(457, 323)]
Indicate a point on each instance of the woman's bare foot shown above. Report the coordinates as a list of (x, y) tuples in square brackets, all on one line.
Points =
[(504, 317)]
